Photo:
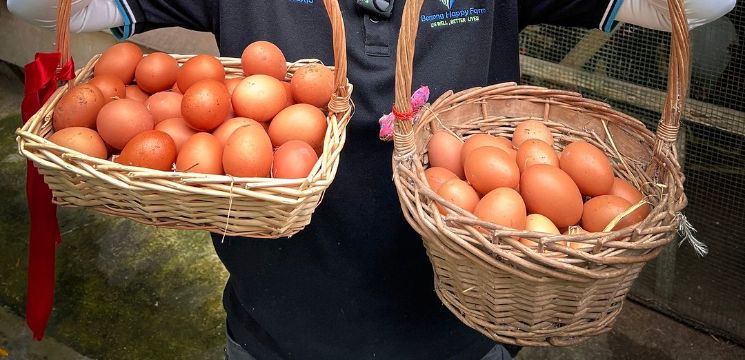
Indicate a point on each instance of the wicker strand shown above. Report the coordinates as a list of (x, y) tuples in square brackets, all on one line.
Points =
[(64, 9), (618, 153), (230, 207), (687, 233), (612, 224), (678, 79), (339, 104), (340, 48), (667, 134), (404, 70)]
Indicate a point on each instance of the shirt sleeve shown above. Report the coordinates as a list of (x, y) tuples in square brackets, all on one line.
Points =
[(143, 15), (86, 15), (654, 14), (589, 14)]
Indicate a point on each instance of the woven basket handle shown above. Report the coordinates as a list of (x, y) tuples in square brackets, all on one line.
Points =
[(677, 87), (62, 45), (339, 102), (678, 78)]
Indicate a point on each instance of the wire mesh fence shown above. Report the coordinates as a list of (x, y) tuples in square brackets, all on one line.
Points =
[(627, 68)]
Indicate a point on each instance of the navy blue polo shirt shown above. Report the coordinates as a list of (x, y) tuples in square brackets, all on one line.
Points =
[(356, 283)]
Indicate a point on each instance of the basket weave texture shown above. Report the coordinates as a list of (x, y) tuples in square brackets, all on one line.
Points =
[(552, 294), (255, 207)]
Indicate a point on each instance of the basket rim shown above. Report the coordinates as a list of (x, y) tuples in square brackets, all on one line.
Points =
[(409, 169)]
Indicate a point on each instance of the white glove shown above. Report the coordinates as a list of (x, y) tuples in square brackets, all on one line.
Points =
[(654, 14), (87, 15)]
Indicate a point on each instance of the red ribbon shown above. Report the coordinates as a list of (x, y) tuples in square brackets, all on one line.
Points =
[(40, 83), (403, 116)]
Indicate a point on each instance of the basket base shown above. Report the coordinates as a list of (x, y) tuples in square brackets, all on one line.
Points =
[(512, 310), (513, 337)]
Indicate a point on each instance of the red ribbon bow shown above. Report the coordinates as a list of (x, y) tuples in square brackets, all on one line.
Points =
[(41, 81)]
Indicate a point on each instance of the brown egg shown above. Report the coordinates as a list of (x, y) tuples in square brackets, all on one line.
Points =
[(539, 223), (232, 83), (259, 97), (588, 167), (436, 176), (299, 122), (294, 159), (111, 86), (177, 129), (156, 72), (231, 113), (151, 149), (628, 192), (504, 143), (263, 57), (227, 128), (205, 105), (549, 191), (121, 120), (444, 150), (135, 93), (164, 105), (119, 60), (313, 84), (248, 152), (459, 193), (601, 210), (532, 129), (81, 139), (533, 152), (78, 107), (502, 206), (288, 94), (513, 154), (201, 153), (488, 168), (200, 67), (479, 140)]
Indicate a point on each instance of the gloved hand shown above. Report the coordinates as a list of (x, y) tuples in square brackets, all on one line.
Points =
[(654, 14), (86, 15)]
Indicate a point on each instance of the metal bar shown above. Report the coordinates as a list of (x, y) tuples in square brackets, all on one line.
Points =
[(586, 48), (695, 111)]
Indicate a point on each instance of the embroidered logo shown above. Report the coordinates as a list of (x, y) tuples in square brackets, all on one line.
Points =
[(452, 16), (448, 3)]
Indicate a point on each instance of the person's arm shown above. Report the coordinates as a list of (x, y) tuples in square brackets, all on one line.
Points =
[(654, 14), (603, 14), (123, 17), (86, 15)]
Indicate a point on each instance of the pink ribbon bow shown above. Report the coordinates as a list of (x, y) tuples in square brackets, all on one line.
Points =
[(418, 99)]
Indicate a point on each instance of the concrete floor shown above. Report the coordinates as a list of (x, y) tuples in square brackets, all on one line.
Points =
[(126, 291), (15, 342)]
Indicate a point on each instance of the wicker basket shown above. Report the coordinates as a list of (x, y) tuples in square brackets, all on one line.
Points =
[(549, 295), (255, 207)]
